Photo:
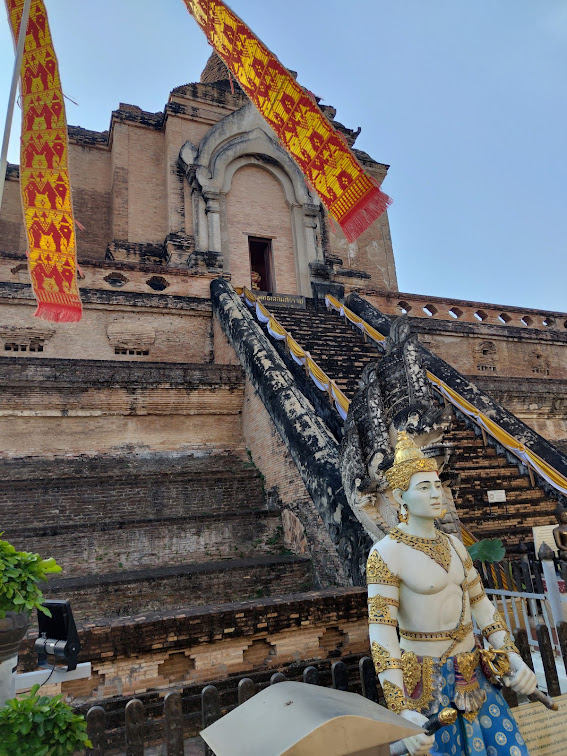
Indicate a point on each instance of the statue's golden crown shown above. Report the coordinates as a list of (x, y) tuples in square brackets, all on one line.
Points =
[(408, 460)]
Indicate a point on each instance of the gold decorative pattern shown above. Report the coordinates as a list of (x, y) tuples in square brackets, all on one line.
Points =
[(394, 695), (474, 581), (411, 670), (468, 563), (378, 572), (458, 634), (438, 548), (378, 611), (383, 659), (427, 695), (475, 599), (495, 626), (467, 662), (497, 662), (509, 646), (408, 460)]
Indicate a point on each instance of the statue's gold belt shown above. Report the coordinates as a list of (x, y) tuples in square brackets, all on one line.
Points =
[(456, 634)]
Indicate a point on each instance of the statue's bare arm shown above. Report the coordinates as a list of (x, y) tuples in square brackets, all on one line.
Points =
[(521, 679)]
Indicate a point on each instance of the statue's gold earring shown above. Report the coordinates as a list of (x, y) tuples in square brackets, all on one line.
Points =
[(403, 514)]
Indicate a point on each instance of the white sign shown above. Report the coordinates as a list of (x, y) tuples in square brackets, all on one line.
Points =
[(496, 496), (544, 731), (544, 534)]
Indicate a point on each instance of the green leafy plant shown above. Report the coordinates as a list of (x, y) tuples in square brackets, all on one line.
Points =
[(34, 725), (487, 550), (20, 573)]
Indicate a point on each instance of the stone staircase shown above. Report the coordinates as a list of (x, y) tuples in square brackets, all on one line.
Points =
[(142, 530), (338, 348), (480, 469), (342, 352)]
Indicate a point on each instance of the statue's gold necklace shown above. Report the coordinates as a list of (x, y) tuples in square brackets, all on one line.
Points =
[(438, 548)]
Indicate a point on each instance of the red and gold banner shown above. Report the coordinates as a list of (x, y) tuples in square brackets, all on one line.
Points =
[(44, 173), (350, 195)]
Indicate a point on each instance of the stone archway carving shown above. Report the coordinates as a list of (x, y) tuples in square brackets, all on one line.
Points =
[(243, 138)]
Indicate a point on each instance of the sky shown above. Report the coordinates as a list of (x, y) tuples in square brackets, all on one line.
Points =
[(465, 100)]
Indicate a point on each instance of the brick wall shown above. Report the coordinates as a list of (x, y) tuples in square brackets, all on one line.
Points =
[(285, 487), (89, 169), (190, 646), (147, 203), (256, 206), (79, 406), (160, 588), (116, 545), (163, 328), (98, 489)]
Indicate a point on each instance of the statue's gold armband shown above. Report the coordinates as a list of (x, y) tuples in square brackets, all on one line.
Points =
[(378, 572), (394, 695), (379, 612), (496, 626), (383, 660)]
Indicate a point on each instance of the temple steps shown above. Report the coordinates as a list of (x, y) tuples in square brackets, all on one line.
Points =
[(337, 347), (479, 470), (96, 548), (342, 352), (91, 490), (154, 589)]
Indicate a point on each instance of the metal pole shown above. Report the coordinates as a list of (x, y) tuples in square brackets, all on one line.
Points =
[(12, 97)]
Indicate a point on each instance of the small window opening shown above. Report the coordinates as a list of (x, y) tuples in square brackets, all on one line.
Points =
[(261, 267), (136, 352), (116, 279), (157, 283), (33, 346)]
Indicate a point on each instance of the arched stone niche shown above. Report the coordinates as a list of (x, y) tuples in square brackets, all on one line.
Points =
[(240, 140)]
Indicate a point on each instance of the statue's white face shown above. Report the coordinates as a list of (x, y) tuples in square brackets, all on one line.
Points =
[(424, 497)]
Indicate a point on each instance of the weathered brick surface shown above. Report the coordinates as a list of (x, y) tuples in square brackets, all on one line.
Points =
[(285, 488), (149, 327), (95, 490), (193, 646), (115, 545), (79, 406), (156, 588)]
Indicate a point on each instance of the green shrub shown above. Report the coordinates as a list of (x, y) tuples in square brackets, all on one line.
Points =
[(20, 573), (36, 725)]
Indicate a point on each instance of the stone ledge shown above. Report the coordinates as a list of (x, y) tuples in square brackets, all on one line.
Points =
[(60, 585), (182, 464), (114, 525), (102, 296), (43, 370)]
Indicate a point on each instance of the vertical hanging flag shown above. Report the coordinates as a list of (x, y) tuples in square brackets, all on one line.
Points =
[(44, 172), (351, 196)]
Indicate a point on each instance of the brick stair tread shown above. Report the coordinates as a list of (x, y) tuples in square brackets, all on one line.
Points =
[(153, 573), (108, 525)]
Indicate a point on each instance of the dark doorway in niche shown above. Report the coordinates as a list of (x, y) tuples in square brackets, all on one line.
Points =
[(261, 264)]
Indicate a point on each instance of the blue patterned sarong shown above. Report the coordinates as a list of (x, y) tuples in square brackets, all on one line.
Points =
[(493, 732)]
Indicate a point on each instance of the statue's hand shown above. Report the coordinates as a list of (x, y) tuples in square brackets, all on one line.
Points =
[(417, 745), (521, 678)]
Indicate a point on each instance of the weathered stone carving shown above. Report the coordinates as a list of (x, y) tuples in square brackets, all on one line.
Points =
[(393, 395)]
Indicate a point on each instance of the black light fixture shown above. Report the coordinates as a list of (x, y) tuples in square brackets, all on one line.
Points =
[(57, 634)]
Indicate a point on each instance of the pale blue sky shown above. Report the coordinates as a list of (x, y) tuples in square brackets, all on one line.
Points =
[(466, 100)]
